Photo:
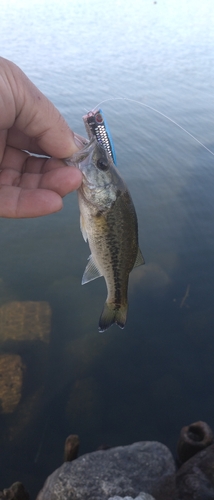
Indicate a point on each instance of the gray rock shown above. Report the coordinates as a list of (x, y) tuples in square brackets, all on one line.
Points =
[(195, 478), (123, 471), (141, 496)]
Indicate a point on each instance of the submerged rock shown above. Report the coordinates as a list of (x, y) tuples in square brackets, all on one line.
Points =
[(25, 321), (125, 470), (193, 438), (71, 448), (15, 492), (11, 379), (195, 478)]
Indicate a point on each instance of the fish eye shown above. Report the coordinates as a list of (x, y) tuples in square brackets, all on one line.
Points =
[(102, 165)]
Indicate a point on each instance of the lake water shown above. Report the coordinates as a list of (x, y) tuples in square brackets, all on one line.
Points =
[(146, 382)]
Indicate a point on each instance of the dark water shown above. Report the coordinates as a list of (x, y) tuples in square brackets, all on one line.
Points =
[(157, 375)]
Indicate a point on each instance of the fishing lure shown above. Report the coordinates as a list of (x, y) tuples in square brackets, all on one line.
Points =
[(97, 127)]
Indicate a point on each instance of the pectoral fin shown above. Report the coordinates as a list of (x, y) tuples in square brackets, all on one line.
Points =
[(83, 229), (139, 259), (91, 272)]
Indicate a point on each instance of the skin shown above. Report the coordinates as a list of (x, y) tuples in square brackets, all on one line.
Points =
[(31, 186)]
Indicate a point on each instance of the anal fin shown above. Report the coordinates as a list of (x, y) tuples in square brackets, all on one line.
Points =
[(91, 272), (139, 259)]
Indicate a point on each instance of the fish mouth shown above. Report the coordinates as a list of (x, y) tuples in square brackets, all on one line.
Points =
[(83, 145), (83, 153), (80, 141)]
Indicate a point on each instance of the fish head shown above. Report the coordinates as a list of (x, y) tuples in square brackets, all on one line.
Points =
[(95, 164), (99, 174)]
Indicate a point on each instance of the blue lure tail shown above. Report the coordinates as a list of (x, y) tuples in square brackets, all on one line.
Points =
[(97, 127)]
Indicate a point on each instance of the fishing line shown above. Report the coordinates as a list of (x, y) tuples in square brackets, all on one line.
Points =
[(156, 111)]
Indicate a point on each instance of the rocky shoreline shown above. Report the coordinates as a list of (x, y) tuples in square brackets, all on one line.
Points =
[(142, 471)]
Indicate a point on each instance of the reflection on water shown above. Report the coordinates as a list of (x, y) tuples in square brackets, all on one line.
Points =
[(58, 375)]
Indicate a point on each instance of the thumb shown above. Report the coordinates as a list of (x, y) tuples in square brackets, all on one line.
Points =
[(27, 110)]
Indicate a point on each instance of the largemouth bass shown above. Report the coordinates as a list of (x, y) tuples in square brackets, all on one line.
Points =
[(108, 221)]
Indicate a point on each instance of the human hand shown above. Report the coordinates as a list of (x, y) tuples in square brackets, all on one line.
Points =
[(32, 186)]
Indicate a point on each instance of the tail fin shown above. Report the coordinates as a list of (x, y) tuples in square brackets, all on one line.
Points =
[(112, 314)]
